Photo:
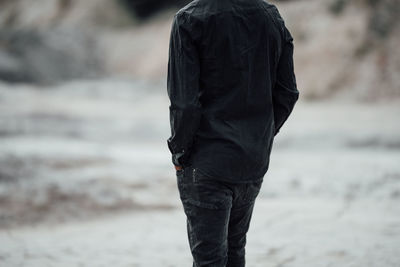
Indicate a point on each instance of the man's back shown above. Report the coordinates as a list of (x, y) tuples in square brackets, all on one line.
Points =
[(231, 85)]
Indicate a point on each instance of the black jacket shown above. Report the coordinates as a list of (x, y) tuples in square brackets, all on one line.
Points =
[(231, 85)]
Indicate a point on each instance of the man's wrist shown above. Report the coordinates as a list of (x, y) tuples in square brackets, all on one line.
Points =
[(178, 168)]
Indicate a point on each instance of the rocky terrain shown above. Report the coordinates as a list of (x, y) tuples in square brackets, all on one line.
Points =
[(345, 49)]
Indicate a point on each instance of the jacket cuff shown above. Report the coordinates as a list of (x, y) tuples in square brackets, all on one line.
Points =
[(178, 155), (177, 159)]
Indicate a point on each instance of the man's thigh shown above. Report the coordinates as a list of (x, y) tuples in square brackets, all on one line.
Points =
[(207, 205), (239, 223)]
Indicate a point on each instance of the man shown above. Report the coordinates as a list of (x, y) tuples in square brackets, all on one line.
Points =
[(232, 86)]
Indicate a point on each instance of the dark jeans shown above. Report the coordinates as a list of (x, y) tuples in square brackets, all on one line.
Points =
[(218, 217)]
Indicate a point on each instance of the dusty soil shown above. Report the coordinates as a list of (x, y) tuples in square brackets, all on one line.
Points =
[(86, 180)]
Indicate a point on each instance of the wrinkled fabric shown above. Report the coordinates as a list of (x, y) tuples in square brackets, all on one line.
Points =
[(231, 85), (218, 216)]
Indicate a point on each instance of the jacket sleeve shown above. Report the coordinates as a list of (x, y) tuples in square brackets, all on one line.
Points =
[(285, 93), (183, 89)]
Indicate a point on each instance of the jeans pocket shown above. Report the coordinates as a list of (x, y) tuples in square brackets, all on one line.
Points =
[(180, 178), (199, 176), (207, 194), (180, 172)]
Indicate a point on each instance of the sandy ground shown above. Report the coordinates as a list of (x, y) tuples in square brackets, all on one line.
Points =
[(86, 180)]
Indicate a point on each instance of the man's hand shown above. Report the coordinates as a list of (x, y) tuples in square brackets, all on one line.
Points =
[(178, 168)]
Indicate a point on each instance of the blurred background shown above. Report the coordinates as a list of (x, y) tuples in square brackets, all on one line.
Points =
[(86, 178)]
